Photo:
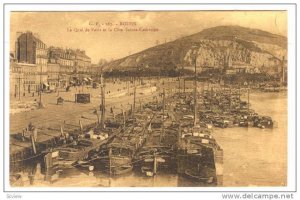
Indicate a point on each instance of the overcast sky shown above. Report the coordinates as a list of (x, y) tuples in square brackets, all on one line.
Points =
[(52, 28)]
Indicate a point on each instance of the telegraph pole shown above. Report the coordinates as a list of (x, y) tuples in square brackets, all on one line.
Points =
[(102, 106)]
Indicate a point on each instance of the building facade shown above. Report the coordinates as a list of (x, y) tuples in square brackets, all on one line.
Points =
[(53, 78), (65, 58), (23, 80), (82, 61), (31, 50), (35, 67)]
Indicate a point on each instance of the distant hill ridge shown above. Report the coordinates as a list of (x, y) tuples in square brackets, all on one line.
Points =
[(213, 46)]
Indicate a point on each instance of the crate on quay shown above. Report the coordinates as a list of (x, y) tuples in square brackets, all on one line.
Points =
[(83, 98)]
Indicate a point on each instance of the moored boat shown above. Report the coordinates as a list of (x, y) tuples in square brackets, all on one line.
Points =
[(199, 157), (114, 158)]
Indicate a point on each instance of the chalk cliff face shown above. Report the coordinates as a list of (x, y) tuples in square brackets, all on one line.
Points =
[(217, 47)]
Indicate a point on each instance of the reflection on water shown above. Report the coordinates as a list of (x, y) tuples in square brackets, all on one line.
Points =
[(257, 157), (34, 174), (252, 157)]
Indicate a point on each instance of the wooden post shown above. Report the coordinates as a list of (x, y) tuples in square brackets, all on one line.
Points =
[(80, 124), (140, 104), (128, 86), (98, 118), (184, 85), (48, 160), (124, 118), (34, 132), (179, 133), (154, 164), (23, 135), (33, 144), (109, 157), (179, 84), (61, 131)]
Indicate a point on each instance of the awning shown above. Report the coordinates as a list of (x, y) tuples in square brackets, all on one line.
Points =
[(90, 78), (46, 84), (85, 79)]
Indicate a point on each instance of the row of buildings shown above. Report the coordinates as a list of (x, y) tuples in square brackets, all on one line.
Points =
[(34, 66), (280, 72)]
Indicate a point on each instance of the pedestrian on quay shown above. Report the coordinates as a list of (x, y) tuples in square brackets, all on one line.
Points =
[(71, 140), (62, 139), (67, 136), (23, 135), (75, 142), (31, 128)]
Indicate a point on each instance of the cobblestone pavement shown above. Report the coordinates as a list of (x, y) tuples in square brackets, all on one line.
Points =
[(54, 115)]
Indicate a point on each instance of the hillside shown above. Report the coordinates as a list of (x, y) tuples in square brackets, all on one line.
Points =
[(211, 47)]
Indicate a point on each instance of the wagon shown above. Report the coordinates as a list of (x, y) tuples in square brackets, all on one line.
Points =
[(60, 100)]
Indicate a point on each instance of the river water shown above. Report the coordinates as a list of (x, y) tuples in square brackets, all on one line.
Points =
[(252, 157), (257, 157)]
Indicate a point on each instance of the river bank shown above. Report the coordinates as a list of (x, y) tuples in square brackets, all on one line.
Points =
[(252, 157)]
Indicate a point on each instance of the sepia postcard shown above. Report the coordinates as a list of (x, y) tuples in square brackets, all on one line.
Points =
[(145, 98)]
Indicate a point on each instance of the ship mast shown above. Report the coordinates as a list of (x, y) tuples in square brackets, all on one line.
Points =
[(183, 85), (134, 97), (195, 92), (102, 106), (163, 117), (248, 99), (179, 83)]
